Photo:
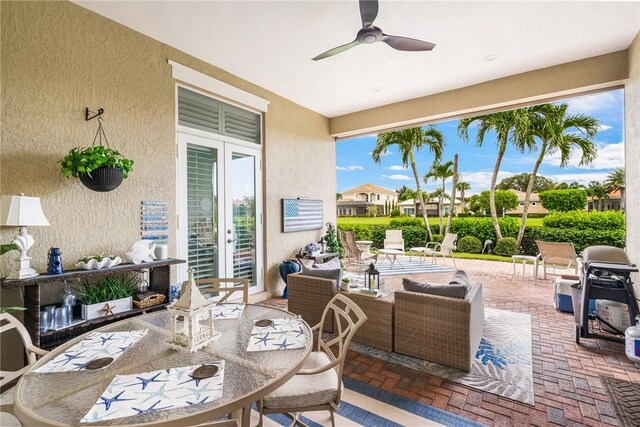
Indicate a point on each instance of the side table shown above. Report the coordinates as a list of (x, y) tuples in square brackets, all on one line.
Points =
[(524, 259)]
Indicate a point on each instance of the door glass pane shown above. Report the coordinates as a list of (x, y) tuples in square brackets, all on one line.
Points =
[(243, 199), (202, 208)]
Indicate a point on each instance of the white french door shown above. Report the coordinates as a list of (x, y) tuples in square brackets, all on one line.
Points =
[(219, 204)]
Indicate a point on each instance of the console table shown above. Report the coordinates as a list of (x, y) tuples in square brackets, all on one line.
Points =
[(318, 258), (159, 281)]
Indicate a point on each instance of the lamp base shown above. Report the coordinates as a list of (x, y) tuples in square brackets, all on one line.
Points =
[(22, 269)]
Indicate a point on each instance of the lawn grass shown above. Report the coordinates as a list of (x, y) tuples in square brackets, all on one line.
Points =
[(384, 220)]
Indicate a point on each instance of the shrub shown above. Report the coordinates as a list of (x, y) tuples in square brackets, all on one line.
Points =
[(394, 213), (482, 228), (437, 238), (406, 220), (505, 200), (609, 220), (564, 200), (506, 246), (581, 238), (469, 244)]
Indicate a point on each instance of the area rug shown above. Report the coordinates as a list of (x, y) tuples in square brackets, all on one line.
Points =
[(625, 398), (503, 363), (403, 266), (366, 405)]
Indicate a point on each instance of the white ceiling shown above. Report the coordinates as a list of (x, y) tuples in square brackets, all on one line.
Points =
[(271, 43)]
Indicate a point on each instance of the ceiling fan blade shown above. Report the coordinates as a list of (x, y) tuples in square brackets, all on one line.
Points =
[(337, 50), (368, 12), (406, 43)]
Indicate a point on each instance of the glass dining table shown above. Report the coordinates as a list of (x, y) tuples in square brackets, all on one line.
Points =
[(63, 398)]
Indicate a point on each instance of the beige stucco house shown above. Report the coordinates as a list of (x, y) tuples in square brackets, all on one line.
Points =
[(355, 201), (535, 205), (52, 72)]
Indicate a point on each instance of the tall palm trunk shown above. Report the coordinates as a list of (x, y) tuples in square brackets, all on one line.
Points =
[(441, 209), (419, 195), (527, 196), (492, 192), (462, 200), (622, 199), (452, 203)]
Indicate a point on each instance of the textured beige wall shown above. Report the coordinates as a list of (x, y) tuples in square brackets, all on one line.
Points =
[(632, 155), (545, 84), (58, 58)]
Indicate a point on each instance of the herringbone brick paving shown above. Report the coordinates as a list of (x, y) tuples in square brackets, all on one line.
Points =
[(567, 387)]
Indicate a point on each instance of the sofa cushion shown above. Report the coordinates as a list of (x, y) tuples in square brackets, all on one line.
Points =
[(461, 278), (453, 291), (333, 274), (329, 265)]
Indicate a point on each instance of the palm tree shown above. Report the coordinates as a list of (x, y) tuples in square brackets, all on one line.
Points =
[(454, 186), (463, 187), (440, 171), (558, 132), (405, 193), (406, 141), (597, 192), (616, 181), (510, 126)]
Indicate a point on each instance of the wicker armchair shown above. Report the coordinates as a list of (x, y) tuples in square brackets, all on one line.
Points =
[(308, 296), (439, 329)]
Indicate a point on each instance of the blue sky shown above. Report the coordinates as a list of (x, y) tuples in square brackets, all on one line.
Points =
[(354, 165)]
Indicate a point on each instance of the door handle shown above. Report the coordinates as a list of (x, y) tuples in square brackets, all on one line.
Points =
[(231, 240)]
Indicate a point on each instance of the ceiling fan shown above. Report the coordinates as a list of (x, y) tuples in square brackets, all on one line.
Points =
[(372, 34)]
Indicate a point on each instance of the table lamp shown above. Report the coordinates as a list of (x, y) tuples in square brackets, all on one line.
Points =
[(22, 211)]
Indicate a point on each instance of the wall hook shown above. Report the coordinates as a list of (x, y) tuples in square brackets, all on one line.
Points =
[(87, 111)]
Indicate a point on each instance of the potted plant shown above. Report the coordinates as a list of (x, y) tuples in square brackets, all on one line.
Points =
[(111, 295), (98, 167)]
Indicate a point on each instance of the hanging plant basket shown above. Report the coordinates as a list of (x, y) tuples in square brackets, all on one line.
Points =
[(98, 167), (102, 179)]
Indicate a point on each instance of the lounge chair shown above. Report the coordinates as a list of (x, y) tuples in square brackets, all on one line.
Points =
[(560, 254), (444, 249), (355, 251)]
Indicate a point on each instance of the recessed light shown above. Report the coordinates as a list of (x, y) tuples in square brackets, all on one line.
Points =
[(491, 57), (376, 89)]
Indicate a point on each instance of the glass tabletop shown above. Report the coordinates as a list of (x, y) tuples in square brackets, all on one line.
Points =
[(65, 397)]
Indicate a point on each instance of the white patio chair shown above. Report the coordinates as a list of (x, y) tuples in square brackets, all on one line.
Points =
[(444, 249), (560, 254), (318, 385), (393, 240)]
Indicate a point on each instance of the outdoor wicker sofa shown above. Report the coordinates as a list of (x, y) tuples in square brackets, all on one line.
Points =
[(438, 329)]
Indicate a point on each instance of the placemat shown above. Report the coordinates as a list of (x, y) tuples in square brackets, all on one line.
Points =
[(281, 334)]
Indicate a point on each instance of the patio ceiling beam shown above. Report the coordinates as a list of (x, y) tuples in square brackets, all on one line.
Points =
[(559, 81)]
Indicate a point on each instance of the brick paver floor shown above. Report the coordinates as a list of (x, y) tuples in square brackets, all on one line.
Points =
[(567, 387)]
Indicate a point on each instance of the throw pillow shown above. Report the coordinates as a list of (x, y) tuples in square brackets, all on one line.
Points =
[(329, 265), (333, 274), (453, 291), (461, 278)]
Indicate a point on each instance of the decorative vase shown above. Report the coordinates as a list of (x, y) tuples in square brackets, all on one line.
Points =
[(287, 267), (102, 179)]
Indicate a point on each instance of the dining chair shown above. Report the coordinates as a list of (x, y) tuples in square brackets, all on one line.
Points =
[(221, 423), (318, 385), (8, 323), (211, 288)]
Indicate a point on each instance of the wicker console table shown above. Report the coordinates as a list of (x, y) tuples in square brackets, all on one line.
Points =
[(159, 281)]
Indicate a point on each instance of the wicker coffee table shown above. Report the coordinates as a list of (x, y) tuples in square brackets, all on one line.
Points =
[(376, 331)]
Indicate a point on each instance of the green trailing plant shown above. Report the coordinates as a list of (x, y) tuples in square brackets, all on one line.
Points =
[(10, 309), (507, 246), (108, 289), (469, 244), (83, 161), (8, 248)]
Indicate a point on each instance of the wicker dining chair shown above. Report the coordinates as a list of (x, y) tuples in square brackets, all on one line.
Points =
[(318, 385), (211, 288)]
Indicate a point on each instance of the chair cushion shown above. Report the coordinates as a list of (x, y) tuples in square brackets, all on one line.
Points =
[(453, 291), (306, 390), (460, 278), (333, 274)]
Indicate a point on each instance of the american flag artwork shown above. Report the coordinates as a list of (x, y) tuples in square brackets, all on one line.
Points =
[(301, 214)]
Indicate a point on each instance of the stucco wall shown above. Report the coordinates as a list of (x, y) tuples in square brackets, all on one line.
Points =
[(632, 154), (58, 58)]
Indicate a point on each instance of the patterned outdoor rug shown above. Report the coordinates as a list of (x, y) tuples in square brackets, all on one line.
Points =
[(625, 398), (366, 405), (403, 266), (503, 362)]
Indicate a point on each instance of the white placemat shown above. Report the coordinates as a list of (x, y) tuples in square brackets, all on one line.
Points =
[(96, 345), (136, 394), (282, 334)]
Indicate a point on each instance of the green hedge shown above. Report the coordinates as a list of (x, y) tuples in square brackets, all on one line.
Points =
[(482, 228), (563, 200), (609, 220), (405, 220), (529, 215), (469, 244), (413, 236), (581, 238), (507, 246)]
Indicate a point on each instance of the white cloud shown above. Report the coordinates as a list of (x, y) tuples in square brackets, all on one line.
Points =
[(397, 177), (582, 178), (602, 128), (590, 103), (481, 181), (610, 156), (397, 168), (387, 153), (349, 168)]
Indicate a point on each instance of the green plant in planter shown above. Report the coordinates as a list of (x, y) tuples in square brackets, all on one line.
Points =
[(110, 288), (83, 161)]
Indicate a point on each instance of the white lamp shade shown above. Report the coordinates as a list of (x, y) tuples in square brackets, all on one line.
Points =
[(21, 211)]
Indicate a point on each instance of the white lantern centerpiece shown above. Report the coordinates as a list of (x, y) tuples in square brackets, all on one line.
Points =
[(195, 331)]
